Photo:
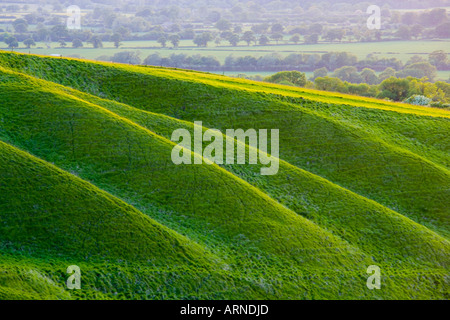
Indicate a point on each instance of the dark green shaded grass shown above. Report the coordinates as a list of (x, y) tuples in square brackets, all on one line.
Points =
[(40, 200)]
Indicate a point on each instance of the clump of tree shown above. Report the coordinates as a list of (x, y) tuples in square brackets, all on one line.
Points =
[(20, 25), (330, 84), (234, 39), (175, 40), (116, 38), (294, 78), (202, 40), (184, 61), (418, 70), (77, 43), (223, 25), (11, 41), (394, 89), (348, 73), (128, 57), (96, 41), (29, 43), (162, 41), (409, 90), (264, 40), (248, 37)]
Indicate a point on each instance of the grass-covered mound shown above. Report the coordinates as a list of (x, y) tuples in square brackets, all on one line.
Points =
[(39, 199), (323, 133), (359, 184)]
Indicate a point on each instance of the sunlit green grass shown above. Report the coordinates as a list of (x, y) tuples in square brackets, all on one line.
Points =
[(361, 182)]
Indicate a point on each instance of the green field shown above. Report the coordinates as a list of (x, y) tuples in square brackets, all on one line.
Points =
[(87, 179), (397, 49)]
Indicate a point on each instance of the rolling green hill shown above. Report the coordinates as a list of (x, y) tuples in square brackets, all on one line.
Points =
[(87, 179)]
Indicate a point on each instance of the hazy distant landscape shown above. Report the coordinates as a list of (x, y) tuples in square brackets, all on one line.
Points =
[(249, 40), (103, 177)]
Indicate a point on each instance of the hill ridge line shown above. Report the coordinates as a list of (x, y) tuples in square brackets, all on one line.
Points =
[(282, 161), (312, 94), (166, 141), (368, 135), (62, 90), (107, 196)]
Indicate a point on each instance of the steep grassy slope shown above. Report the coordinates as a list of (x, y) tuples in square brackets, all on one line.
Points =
[(409, 157), (345, 197), (47, 212), (371, 227), (16, 284), (303, 194), (77, 134), (39, 199)]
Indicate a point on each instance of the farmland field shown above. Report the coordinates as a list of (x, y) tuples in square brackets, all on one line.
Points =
[(396, 49), (88, 179)]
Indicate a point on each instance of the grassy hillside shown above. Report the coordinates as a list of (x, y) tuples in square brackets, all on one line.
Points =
[(39, 199), (360, 183)]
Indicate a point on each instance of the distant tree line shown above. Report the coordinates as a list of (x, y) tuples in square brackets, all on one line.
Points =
[(410, 90), (226, 25), (342, 65)]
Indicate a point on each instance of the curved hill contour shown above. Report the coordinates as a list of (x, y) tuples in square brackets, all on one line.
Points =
[(87, 177)]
